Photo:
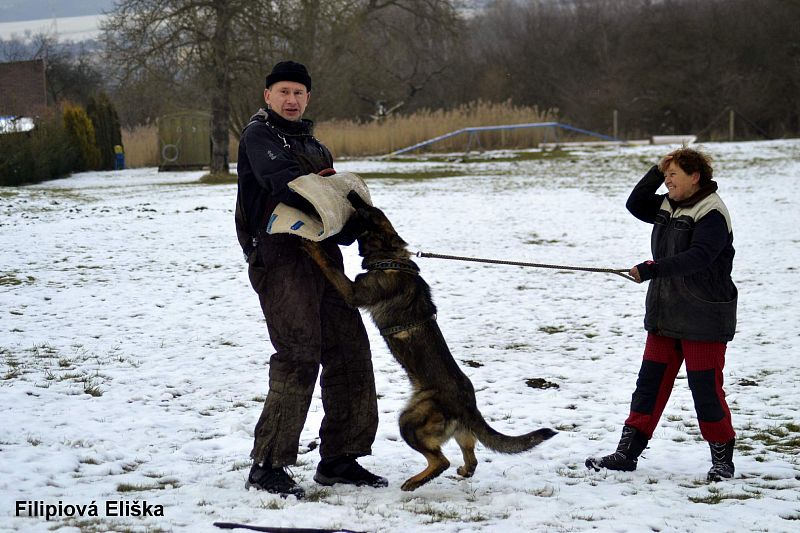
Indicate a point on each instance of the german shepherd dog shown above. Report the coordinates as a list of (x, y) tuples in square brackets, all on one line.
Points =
[(442, 404)]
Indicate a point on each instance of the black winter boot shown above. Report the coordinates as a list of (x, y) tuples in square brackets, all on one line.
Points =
[(631, 444), (274, 480), (345, 469), (721, 460)]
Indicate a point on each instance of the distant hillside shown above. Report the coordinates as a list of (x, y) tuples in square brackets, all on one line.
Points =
[(17, 10), (75, 29)]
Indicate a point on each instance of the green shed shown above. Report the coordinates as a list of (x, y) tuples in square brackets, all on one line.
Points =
[(184, 140)]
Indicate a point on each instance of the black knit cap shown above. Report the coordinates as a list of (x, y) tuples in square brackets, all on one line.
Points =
[(289, 71)]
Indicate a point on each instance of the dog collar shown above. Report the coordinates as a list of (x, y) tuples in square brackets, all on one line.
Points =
[(385, 332), (393, 264)]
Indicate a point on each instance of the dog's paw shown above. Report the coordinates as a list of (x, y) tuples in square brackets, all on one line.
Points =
[(410, 485), (463, 471)]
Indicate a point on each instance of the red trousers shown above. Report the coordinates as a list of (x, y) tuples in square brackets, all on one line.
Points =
[(705, 361)]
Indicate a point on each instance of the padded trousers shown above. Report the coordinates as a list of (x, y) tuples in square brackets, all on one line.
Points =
[(310, 326), (705, 362)]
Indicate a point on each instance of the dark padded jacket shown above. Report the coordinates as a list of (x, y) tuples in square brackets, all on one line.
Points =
[(691, 293), (272, 152)]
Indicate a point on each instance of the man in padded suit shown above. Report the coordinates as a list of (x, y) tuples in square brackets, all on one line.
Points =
[(309, 324)]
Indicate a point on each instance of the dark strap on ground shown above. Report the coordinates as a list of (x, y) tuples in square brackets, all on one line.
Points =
[(269, 529)]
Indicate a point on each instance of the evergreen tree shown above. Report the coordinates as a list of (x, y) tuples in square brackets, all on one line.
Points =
[(80, 133), (107, 132)]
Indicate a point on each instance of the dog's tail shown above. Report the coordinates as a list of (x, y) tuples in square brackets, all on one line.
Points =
[(498, 442)]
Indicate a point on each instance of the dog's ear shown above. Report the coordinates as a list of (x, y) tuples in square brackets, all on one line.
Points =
[(356, 201)]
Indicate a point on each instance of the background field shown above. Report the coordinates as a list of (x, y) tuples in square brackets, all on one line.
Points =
[(133, 355)]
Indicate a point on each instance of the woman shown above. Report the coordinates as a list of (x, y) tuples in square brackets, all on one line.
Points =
[(690, 307)]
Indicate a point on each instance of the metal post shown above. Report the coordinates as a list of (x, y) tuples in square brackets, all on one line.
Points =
[(730, 124), (616, 125)]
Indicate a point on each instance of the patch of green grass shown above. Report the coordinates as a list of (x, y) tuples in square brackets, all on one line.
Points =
[(316, 494), (716, 495), (540, 383), (218, 179), (414, 176), (101, 525), (13, 372), (153, 475), (77, 443), (585, 517), (572, 472), (138, 487), (11, 279), (72, 376), (566, 427), (273, 504), (91, 389), (537, 241), (43, 350), (45, 365), (526, 155), (435, 514), (130, 467), (515, 346), (782, 438), (550, 330), (548, 491)]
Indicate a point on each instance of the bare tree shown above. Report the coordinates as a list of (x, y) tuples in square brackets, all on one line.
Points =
[(202, 41), (667, 66), (394, 52)]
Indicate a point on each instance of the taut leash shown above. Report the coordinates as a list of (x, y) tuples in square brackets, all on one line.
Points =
[(623, 272)]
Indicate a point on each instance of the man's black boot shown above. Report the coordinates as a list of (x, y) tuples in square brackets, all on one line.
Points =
[(721, 460), (274, 480), (345, 469), (631, 444)]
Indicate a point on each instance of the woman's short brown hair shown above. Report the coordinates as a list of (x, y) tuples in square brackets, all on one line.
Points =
[(690, 161)]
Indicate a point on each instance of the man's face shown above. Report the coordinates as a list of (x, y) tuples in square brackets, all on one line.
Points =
[(680, 185), (288, 99)]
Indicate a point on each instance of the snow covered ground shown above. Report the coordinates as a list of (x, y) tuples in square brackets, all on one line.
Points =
[(133, 355)]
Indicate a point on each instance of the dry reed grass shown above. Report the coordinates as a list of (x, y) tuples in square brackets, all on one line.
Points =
[(347, 138), (141, 146)]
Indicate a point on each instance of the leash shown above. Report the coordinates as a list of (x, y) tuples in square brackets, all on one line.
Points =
[(618, 271)]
